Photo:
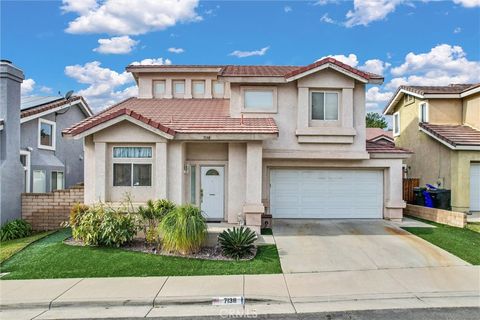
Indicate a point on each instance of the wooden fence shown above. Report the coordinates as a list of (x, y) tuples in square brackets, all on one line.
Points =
[(408, 185)]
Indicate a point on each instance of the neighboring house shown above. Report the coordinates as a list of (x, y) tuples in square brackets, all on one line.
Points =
[(441, 125), (50, 161), (381, 136), (241, 141), (35, 157)]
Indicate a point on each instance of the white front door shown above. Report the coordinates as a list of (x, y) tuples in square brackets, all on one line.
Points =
[(212, 192), (474, 186)]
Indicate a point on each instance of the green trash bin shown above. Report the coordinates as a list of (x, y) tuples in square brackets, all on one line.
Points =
[(419, 200), (441, 198)]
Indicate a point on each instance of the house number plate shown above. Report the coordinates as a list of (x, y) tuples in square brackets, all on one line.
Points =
[(220, 301)]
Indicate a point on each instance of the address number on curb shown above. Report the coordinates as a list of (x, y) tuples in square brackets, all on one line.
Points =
[(220, 301)]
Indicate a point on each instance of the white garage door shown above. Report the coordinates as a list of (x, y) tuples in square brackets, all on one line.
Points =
[(322, 193), (475, 187)]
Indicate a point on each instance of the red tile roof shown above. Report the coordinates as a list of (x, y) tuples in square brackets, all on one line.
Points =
[(373, 133), (363, 74), (377, 147), (451, 88), (265, 71), (180, 116), (455, 135), (48, 106)]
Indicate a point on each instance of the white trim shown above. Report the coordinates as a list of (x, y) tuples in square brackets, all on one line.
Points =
[(27, 168), (324, 66), (470, 92), (116, 120), (426, 111), (384, 137), (396, 134), (442, 95), (470, 148), (324, 105), (399, 96), (54, 134), (63, 106)]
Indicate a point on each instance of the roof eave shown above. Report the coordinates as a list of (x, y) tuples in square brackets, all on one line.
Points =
[(450, 145), (325, 66)]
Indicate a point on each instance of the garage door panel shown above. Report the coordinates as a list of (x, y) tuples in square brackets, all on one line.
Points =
[(322, 193)]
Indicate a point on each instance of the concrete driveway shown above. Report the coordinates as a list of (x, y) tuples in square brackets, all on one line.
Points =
[(340, 245)]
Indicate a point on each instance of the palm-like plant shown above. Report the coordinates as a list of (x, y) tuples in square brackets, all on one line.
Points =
[(237, 243), (183, 230), (152, 214)]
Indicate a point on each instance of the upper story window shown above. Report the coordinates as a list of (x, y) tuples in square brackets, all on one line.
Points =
[(178, 88), (46, 134), (158, 88), (218, 89), (324, 105), (423, 112), (259, 99), (198, 88), (408, 98), (396, 123)]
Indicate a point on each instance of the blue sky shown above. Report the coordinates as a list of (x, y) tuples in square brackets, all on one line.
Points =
[(411, 42)]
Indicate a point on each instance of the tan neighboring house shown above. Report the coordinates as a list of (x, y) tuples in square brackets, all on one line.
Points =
[(243, 141), (441, 125)]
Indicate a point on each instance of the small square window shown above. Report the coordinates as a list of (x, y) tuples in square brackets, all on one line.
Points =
[(122, 174), (159, 88), (179, 87), (258, 99), (218, 89), (423, 112), (198, 88), (396, 124)]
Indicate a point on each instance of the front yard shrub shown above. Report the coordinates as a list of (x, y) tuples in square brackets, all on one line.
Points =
[(237, 243), (76, 213), (183, 230), (103, 226), (15, 229), (151, 215)]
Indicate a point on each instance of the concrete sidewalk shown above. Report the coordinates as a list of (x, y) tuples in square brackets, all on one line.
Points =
[(265, 294)]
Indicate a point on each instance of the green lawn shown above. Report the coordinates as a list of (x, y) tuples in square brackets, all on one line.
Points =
[(474, 226), (463, 243), (266, 231), (51, 258), (10, 247)]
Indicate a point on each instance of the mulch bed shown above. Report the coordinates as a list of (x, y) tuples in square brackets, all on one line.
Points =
[(205, 253)]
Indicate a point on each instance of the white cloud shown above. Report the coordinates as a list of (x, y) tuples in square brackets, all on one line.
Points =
[(287, 9), (126, 17), (155, 61), (351, 59), (468, 3), (244, 54), (457, 30), (79, 6), (375, 97), (326, 18), (376, 66), (116, 45), (366, 11), (176, 50), (27, 86), (105, 86), (46, 89)]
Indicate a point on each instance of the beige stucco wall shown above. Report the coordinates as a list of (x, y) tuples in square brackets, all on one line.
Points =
[(430, 161), (460, 168), (445, 111), (471, 110)]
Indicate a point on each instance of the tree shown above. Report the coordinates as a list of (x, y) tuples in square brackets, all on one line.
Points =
[(374, 120)]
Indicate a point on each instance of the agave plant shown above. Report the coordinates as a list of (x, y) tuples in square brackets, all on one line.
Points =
[(183, 229), (237, 243)]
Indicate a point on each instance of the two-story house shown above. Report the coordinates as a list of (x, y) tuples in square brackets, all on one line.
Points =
[(34, 155), (241, 141), (441, 125)]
